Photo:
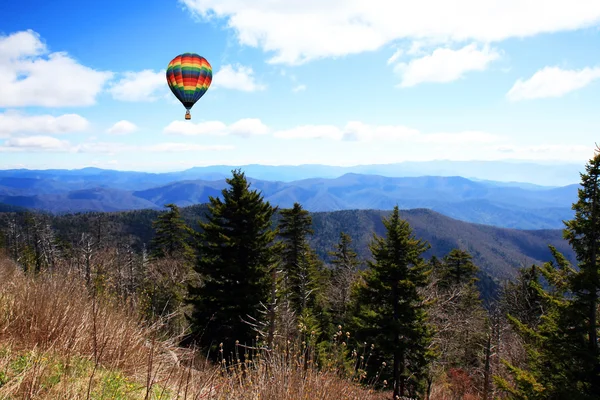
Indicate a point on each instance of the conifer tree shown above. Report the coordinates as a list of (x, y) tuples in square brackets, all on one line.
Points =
[(236, 254), (300, 275), (171, 236), (563, 348), (456, 313), (458, 268), (583, 233), (170, 267), (345, 270), (390, 312)]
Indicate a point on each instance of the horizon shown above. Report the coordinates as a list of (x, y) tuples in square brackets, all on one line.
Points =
[(355, 92)]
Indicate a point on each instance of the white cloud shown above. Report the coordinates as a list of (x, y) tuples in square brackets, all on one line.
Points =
[(460, 137), (397, 54), (237, 78), (552, 82), (356, 131), (139, 86), (122, 128), (244, 128), (302, 30), (565, 152), (52, 144), (215, 128), (30, 75), (183, 147), (311, 132), (299, 88), (12, 123), (248, 127), (445, 65), (35, 143)]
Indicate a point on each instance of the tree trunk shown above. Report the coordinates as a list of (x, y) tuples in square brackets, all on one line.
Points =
[(593, 335), (486, 381)]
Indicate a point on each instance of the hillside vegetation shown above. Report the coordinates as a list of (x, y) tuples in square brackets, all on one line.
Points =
[(499, 252), (240, 299), (58, 340)]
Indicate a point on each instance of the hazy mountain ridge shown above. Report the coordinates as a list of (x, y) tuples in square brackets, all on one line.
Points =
[(523, 206)]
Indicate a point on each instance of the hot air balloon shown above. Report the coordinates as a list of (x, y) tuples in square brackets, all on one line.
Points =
[(189, 76)]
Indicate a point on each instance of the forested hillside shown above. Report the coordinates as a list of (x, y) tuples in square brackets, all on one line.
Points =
[(499, 252), (403, 303)]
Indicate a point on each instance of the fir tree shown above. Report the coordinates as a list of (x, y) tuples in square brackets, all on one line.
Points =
[(345, 270), (390, 310), (300, 275), (171, 236), (236, 254), (563, 359), (458, 268), (583, 233)]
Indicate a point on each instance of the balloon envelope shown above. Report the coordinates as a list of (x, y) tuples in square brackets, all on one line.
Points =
[(189, 77)]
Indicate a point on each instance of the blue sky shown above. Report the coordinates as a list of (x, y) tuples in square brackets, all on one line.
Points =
[(341, 82)]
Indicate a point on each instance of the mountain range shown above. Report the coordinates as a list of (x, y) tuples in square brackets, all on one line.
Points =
[(503, 204)]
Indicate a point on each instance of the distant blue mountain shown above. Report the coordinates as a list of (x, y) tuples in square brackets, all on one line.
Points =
[(528, 175), (511, 205)]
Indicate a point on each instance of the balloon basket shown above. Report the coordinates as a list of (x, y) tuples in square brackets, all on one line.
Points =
[(188, 115)]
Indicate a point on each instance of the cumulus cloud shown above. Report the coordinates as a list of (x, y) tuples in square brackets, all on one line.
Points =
[(244, 128), (52, 144), (122, 128), (183, 147), (311, 132), (16, 123), (356, 131), (31, 75), (237, 77), (139, 86), (552, 82), (297, 31), (35, 143), (445, 65)]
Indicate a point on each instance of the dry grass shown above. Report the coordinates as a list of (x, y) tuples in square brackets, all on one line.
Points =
[(59, 342)]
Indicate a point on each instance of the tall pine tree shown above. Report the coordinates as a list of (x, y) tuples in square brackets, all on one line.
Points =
[(563, 346), (236, 254), (345, 270), (391, 312), (300, 277), (171, 236)]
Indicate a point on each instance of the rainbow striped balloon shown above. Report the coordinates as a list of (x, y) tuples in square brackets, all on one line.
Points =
[(189, 77)]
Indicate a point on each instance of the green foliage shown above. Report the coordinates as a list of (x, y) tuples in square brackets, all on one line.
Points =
[(236, 253), (458, 268), (297, 258), (562, 348), (172, 236), (343, 276), (390, 311)]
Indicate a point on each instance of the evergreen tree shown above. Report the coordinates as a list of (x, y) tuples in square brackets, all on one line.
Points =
[(563, 349), (345, 270), (583, 233), (170, 267), (456, 313), (300, 274), (390, 310), (236, 254), (171, 236), (458, 268)]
